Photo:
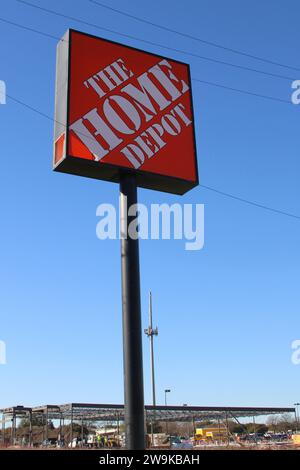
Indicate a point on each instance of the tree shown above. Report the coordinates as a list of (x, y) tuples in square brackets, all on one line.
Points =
[(35, 421), (286, 422), (272, 423)]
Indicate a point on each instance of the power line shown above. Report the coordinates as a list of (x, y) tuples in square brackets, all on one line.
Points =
[(44, 115), (222, 193), (173, 49), (273, 98), (31, 108), (189, 36), (32, 30), (245, 92), (252, 203)]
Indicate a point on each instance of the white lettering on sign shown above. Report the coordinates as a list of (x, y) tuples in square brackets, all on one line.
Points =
[(111, 77), (123, 111), (169, 125)]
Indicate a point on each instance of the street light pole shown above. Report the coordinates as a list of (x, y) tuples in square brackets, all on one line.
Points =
[(296, 415), (167, 390)]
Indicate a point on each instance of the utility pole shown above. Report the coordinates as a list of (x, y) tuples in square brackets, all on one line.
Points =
[(150, 332)]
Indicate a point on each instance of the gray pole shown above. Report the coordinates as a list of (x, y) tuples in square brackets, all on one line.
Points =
[(3, 429), (296, 415), (61, 428), (12, 431), (150, 332), (227, 430), (254, 429), (167, 391), (118, 429), (132, 334), (30, 429), (43, 427), (71, 426), (47, 426)]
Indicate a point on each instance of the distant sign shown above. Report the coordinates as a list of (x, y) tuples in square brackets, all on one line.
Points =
[(119, 108)]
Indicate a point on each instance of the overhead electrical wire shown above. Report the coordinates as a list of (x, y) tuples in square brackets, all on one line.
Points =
[(189, 36), (173, 49), (27, 28), (247, 201), (238, 90), (222, 193), (51, 36)]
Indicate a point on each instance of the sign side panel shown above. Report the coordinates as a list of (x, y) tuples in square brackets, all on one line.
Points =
[(191, 96), (61, 91)]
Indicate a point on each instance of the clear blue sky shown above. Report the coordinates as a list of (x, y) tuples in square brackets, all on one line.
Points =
[(227, 314)]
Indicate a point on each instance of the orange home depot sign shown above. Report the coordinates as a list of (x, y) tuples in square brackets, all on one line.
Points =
[(120, 108)]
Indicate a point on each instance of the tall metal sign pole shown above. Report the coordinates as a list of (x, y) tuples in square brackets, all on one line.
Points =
[(132, 328), (126, 116)]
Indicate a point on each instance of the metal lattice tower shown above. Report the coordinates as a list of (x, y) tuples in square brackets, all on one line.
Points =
[(150, 332)]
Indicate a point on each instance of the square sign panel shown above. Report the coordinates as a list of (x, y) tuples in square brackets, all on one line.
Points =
[(119, 109)]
